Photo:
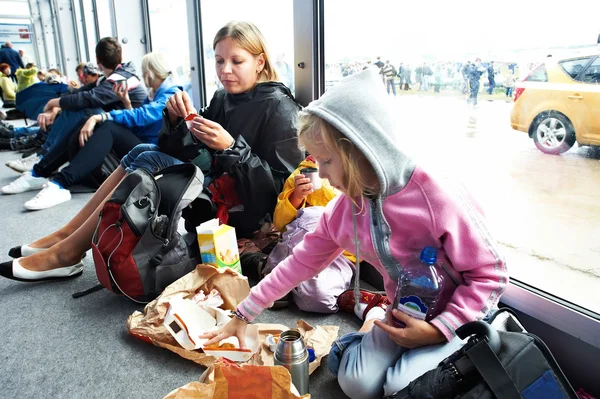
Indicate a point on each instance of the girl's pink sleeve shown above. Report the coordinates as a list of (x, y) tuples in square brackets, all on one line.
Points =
[(309, 257)]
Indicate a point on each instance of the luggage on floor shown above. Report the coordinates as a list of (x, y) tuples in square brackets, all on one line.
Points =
[(137, 249), (494, 364)]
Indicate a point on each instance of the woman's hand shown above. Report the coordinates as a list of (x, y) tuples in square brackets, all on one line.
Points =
[(179, 106), (417, 333), (88, 129), (211, 133), (302, 188), (122, 90), (236, 327), (74, 85)]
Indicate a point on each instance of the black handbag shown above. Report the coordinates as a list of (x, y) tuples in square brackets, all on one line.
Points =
[(509, 364)]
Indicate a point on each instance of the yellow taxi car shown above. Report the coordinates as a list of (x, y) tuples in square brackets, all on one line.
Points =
[(558, 103)]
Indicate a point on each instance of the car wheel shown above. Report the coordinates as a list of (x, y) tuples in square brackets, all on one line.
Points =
[(553, 133)]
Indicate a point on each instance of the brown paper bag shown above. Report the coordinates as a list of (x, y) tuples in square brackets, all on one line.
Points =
[(227, 380), (148, 326)]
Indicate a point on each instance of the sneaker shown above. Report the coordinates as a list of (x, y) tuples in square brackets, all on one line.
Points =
[(28, 143), (6, 132), (50, 196), (25, 164), (346, 302), (26, 182)]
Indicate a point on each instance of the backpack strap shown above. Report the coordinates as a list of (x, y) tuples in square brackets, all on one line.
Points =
[(493, 373), (95, 288)]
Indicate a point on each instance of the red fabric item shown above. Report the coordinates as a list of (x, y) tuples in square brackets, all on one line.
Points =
[(224, 196), (122, 241)]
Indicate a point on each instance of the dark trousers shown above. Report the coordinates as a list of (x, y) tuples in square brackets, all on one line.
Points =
[(107, 136), (492, 85), (474, 86), (509, 91)]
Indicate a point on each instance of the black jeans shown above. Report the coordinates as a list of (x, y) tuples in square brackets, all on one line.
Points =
[(108, 136)]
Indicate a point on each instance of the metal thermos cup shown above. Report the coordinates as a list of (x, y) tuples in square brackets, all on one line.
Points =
[(291, 353)]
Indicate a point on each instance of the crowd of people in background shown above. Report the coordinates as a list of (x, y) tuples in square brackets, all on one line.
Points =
[(468, 77)]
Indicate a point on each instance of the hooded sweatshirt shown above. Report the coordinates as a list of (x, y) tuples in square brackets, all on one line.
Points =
[(412, 210), (102, 96)]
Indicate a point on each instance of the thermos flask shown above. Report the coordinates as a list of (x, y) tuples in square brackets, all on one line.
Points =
[(291, 353)]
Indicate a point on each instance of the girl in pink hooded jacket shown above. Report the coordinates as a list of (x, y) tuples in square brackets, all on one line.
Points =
[(390, 210)]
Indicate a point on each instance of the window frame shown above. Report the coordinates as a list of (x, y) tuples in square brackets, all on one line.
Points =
[(583, 71)]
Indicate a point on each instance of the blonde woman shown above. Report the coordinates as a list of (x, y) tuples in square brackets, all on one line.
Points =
[(117, 130), (245, 141)]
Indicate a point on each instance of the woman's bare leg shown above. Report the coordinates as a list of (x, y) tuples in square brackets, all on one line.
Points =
[(66, 252), (91, 208)]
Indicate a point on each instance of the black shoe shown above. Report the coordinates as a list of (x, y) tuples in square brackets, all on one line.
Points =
[(27, 143), (282, 303), (6, 133), (253, 264), (5, 144)]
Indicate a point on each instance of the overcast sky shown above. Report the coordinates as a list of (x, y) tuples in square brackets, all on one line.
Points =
[(399, 29)]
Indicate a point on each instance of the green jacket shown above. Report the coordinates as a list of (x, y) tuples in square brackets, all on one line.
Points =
[(26, 77)]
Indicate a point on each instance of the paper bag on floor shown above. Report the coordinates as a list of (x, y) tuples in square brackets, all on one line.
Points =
[(227, 380), (148, 326), (319, 338)]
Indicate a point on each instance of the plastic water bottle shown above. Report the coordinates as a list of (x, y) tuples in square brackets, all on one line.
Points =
[(420, 293)]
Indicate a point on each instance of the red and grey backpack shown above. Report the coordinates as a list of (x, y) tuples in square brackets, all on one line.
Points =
[(136, 247)]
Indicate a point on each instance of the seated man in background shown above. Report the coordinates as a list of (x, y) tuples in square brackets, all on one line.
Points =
[(77, 107)]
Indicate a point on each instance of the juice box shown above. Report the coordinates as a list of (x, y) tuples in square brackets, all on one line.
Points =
[(218, 245)]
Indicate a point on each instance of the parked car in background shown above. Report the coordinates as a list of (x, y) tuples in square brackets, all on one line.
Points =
[(558, 103)]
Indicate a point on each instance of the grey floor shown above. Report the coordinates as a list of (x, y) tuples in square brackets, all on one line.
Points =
[(54, 346)]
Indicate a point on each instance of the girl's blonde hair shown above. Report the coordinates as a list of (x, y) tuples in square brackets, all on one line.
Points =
[(247, 36), (155, 67), (358, 174)]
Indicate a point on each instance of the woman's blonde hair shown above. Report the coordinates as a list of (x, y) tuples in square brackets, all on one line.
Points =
[(358, 174), (247, 36), (155, 67)]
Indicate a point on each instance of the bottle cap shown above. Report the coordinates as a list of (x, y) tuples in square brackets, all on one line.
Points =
[(311, 355), (429, 255)]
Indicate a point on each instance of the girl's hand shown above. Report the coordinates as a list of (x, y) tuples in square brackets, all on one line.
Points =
[(211, 133), (302, 188), (122, 90), (88, 129), (236, 327), (417, 333), (179, 106)]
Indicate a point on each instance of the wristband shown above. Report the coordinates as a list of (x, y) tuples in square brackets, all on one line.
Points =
[(241, 316)]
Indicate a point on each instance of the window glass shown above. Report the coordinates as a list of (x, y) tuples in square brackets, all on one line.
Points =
[(592, 74), (278, 32), (574, 67), (540, 193), (539, 74), (14, 8), (104, 18), (169, 34)]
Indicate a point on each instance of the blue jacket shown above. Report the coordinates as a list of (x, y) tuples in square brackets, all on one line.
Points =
[(146, 121), (12, 58)]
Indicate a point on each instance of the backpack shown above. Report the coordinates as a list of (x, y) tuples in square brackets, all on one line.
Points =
[(506, 364), (136, 247)]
